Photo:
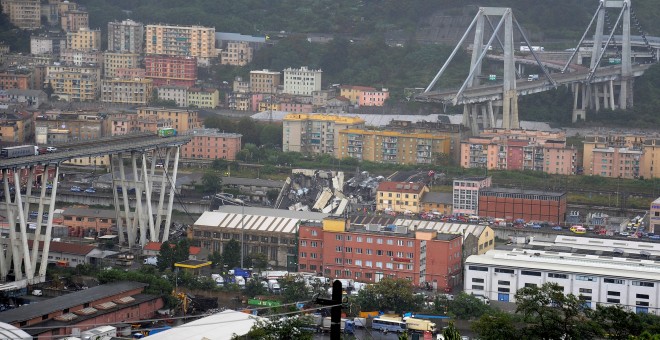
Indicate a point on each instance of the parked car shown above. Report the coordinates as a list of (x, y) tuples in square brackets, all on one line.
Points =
[(51, 149), (90, 190), (654, 237), (558, 228), (624, 233), (76, 189), (37, 292)]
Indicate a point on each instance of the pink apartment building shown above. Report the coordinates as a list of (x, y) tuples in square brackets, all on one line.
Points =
[(373, 97), (615, 162), (212, 144)]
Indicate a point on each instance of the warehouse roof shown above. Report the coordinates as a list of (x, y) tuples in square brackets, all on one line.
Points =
[(220, 326), (448, 228), (259, 219)]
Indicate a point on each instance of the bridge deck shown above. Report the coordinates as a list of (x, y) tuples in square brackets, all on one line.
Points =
[(98, 147)]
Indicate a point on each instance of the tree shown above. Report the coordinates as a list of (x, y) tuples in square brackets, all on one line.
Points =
[(294, 290), (215, 258), (466, 306), (495, 325), (451, 333), (270, 134), (166, 256), (231, 254), (293, 328), (617, 322), (258, 261), (254, 288), (212, 182), (182, 250), (389, 295), (549, 314)]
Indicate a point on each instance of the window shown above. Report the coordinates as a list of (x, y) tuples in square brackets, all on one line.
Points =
[(314, 244), (642, 296), (303, 255), (390, 242), (502, 270), (370, 252), (368, 264), (370, 240), (477, 287), (389, 253), (615, 281), (479, 269), (643, 284), (642, 303), (586, 278), (348, 249), (613, 293), (585, 290), (358, 250), (358, 263), (504, 283), (503, 290), (477, 280), (338, 261), (379, 241), (411, 243), (530, 273), (399, 243), (358, 239), (314, 233), (338, 237), (530, 285), (379, 264), (410, 255), (313, 255), (303, 243), (379, 252), (389, 266), (558, 276), (338, 249), (614, 300)]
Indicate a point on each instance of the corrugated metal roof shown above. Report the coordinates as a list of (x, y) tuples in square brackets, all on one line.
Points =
[(220, 326), (258, 219), (453, 228)]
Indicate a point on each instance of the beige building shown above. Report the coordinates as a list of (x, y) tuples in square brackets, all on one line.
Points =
[(126, 91), (401, 197), (112, 61), (194, 41), (74, 83), (182, 120), (203, 98), (264, 81), (126, 36), (315, 133), (25, 14), (84, 40), (81, 57), (238, 53), (302, 81), (391, 146), (73, 21)]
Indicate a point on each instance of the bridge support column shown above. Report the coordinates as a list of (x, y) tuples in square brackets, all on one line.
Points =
[(611, 87), (579, 98)]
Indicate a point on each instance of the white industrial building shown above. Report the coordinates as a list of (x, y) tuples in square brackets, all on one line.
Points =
[(631, 282)]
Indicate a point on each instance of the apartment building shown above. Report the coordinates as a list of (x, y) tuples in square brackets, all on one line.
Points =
[(466, 194), (126, 91), (302, 81), (123, 123), (73, 21), (14, 80), (49, 11), (74, 83), (16, 127), (315, 133), (484, 235), (128, 73), (171, 70), (112, 61), (203, 97), (391, 146), (625, 156), (596, 280), (24, 14), (179, 94), (185, 41), (264, 81), (373, 97), (65, 6), (212, 144), (401, 197), (126, 36), (182, 120), (237, 53), (84, 39), (79, 58), (355, 93), (504, 150), (49, 44), (529, 205), (370, 253), (31, 98), (654, 216)]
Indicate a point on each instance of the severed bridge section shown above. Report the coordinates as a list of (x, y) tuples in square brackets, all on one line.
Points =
[(597, 85), (139, 153)]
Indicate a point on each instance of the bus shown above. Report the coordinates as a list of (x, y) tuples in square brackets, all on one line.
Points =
[(388, 324), (167, 132)]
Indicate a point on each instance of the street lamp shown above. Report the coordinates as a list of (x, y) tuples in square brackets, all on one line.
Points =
[(242, 233)]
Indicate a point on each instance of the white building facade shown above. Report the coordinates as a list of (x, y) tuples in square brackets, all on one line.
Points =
[(632, 283), (179, 94), (302, 81), (466, 194)]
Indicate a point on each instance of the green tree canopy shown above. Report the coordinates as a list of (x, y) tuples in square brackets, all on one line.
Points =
[(212, 181), (231, 254), (389, 295)]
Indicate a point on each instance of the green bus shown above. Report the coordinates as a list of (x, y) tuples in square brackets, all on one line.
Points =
[(166, 132)]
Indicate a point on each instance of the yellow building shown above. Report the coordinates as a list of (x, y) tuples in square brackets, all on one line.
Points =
[(126, 91), (237, 53), (353, 93), (182, 120), (25, 14), (74, 20), (194, 41), (84, 40), (16, 127), (401, 197), (101, 161), (264, 81), (391, 146), (315, 133), (74, 83), (203, 98), (116, 60), (438, 202)]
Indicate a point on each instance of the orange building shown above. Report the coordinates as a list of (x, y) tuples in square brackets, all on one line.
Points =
[(14, 81), (530, 205), (212, 144), (373, 252), (81, 220), (182, 120)]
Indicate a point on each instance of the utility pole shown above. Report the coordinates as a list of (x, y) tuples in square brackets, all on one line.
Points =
[(335, 310)]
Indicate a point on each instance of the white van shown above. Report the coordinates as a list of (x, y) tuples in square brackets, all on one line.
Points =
[(533, 77)]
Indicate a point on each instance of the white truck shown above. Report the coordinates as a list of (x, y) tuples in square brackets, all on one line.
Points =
[(240, 281), (274, 286)]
